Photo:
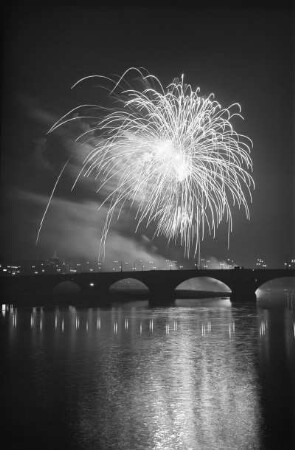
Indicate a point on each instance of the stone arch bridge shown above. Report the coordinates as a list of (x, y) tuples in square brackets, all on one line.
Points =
[(243, 283)]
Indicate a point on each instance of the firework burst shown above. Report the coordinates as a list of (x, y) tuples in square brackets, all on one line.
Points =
[(170, 154)]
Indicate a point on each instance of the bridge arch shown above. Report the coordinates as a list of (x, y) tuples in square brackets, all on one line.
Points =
[(67, 288), (128, 284), (274, 284), (203, 283)]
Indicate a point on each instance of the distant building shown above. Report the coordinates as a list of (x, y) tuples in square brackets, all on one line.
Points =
[(260, 264), (290, 263)]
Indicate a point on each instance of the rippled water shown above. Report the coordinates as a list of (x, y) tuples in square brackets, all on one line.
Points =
[(199, 375)]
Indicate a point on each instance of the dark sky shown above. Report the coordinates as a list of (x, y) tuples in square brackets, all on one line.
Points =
[(241, 54)]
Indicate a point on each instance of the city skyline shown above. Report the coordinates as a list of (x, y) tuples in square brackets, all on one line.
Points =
[(254, 70), (59, 265)]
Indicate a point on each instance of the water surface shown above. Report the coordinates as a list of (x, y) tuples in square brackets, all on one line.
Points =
[(199, 375)]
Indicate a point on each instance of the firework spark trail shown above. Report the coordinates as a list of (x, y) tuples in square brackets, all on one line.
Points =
[(49, 201), (173, 155)]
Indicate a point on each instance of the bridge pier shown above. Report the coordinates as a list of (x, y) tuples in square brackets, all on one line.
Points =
[(243, 293), (162, 296), (161, 301)]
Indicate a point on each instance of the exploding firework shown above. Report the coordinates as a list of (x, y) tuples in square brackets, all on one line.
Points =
[(169, 154)]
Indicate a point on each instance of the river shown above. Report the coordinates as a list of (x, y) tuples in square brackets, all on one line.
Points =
[(202, 374)]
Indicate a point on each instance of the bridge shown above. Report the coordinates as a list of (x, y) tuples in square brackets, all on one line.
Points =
[(161, 284)]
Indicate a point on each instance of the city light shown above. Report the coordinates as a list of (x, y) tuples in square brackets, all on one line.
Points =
[(260, 263), (63, 267)]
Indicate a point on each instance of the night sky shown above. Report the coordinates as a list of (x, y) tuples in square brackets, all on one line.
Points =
[(241, 54)]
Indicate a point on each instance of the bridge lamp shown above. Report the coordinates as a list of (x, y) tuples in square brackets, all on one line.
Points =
[(91, 284)]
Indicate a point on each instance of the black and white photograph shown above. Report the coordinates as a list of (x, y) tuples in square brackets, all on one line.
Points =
[(147, 232)]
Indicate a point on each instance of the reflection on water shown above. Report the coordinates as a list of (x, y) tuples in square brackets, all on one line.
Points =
[(200, 375)]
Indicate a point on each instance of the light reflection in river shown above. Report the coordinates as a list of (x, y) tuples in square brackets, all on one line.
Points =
[(139, 378)]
